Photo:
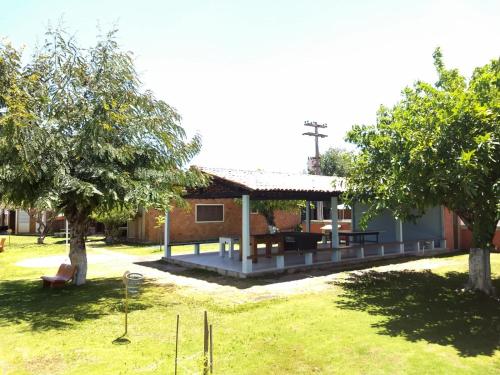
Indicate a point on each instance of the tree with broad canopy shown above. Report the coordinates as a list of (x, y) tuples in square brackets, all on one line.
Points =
[(77, 129), (438, 146), (335, 162)]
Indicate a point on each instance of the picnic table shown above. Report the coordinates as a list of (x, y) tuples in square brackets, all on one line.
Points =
[(285, 240), (359, 236)]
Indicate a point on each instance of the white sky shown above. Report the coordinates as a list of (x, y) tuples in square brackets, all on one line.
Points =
[(247, 74)]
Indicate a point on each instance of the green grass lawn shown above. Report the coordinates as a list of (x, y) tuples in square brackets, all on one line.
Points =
[(373, 323), (141, 249)]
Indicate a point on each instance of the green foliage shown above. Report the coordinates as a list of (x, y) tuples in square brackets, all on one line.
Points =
[(336, 162), (438, 146), (267, 208), (113, 219), (115, 216), (79, 128)]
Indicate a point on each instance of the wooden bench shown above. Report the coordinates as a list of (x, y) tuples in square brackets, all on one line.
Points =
[(2, 245), (65, 273), (195, 243)]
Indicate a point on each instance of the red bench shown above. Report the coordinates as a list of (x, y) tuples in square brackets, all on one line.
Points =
[(65, 273)]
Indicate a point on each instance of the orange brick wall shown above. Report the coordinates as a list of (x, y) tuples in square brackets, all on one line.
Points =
[(184, 228), (465, 235), (466, 238)]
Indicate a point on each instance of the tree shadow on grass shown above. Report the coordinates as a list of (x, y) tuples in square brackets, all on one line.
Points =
[(25, 301), (427, 306), (298, 274)]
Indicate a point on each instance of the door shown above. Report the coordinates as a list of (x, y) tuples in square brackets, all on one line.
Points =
[(23, 222)]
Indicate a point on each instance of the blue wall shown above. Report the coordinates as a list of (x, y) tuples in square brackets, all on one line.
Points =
[(384, 222), (426, 227)]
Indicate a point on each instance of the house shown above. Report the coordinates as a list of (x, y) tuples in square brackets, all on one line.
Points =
[(258, 253), (203, 220), (17, 220)]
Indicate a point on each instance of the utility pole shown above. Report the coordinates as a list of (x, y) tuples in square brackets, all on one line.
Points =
[(313, 162)]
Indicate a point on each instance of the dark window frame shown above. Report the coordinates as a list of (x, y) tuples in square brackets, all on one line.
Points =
[(208, 221)]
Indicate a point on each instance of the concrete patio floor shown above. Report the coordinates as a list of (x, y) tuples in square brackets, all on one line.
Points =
[(294, 261)]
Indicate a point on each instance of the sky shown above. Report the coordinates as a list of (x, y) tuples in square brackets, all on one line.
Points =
[(245, 75)]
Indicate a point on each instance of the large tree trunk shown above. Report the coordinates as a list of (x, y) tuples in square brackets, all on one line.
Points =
[(480, 271), (77, 251), (483, 231)]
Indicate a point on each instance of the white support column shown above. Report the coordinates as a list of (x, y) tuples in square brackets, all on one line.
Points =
[(166, 236), (399, 235), (335, 222), (336, 255), (381, 251), (319, 210), (308, 258), (16, 222), (280, 261), (308, 216), (360, 253), (246, 264)]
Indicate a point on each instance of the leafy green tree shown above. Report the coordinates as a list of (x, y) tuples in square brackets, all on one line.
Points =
[(335, 162), (112, 220), (78, 128), (438, 146), (268, 208)]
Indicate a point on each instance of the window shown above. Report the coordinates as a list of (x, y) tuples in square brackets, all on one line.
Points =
[(209, 213)]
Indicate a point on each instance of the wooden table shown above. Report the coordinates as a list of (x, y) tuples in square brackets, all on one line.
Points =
[(285, 241), (359, 235)]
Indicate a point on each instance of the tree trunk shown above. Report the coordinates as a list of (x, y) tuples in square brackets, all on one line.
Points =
[(480, 271), (271, 224), (77, 251)]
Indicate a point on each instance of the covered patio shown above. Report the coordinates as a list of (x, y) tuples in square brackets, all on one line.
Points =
[(290, 251)]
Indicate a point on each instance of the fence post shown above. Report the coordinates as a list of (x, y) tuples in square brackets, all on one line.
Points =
[(176, 344), (205, 344), (211, 351)]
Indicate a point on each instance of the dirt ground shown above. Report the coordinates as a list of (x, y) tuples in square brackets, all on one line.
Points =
[(222, 288)]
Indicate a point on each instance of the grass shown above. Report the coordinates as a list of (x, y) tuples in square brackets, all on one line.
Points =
[(372, 323), (141, 249)]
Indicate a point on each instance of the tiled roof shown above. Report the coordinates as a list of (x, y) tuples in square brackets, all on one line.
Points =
[(278, 181)]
